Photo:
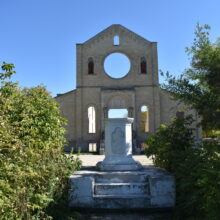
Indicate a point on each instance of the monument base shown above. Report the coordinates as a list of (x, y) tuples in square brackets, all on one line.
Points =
[(124, 165), (121, 182), (150, 188)]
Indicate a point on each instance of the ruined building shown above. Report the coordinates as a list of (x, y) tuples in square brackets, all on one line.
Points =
[(97, 92)]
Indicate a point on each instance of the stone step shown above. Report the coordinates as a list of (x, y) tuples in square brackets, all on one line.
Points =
[(149, 188), (121, 177), (122, 196), (123, 202), (116, 189)]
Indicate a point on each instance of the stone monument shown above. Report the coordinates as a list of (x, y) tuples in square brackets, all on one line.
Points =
[(120, 182), (118, 146)]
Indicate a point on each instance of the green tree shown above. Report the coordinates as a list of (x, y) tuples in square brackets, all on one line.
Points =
[(199, 85), (195, 165), (196, 168), (33, 167)]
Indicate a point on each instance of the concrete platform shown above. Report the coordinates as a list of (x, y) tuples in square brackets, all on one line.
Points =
[(89, 160), (148, 188)]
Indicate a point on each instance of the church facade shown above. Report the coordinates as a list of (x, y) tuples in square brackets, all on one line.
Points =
[(96, 93)]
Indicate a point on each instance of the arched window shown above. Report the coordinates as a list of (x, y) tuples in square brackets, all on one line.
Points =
[(143, 65), (116, 40), (90, 66), (91, 118), (144, 126)]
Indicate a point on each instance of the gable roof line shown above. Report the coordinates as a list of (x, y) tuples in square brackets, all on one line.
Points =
[(95, 36), (136, 34), (66, 93), (121, 26)]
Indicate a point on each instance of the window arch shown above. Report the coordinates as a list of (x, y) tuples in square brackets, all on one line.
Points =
[(90, 66), (143, 65), (116, 40), (91, 120), (144, 125)]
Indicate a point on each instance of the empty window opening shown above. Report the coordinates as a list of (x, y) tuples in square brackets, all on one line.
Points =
[(143, 147), (143, 66), (92, 147), (116, 40), (118, 113), (117, 65), (144, 126), (180, 114), (91, 117), (90, 66)]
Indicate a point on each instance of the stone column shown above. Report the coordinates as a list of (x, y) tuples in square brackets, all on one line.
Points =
[(130, 112), (105, 111), (118, 146)]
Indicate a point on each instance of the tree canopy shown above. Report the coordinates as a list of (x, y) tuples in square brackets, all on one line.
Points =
[(199, 85)]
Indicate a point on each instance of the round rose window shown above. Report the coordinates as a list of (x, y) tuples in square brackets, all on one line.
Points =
[(117, 65)]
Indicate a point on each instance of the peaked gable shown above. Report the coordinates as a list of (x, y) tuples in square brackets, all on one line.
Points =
[(116, 29)]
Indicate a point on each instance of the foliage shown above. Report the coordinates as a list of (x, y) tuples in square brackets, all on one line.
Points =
[(33, 167), (199, 85), (174, 140), (196, 168)]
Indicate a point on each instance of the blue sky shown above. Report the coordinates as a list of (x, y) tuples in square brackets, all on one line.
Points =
[(39, 36)]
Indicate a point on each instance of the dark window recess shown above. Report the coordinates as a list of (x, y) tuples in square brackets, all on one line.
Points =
[(143, 66), (180, 114), (91, 67)]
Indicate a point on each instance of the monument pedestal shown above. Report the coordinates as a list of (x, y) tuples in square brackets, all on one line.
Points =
[(149, 188), (118, 146), (121, 182), (126, 165)]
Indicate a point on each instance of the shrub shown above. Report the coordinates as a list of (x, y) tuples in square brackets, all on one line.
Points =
[(196, 168), (33, 167)]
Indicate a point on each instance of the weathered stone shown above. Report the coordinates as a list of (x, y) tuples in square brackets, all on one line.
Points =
[(123, 185), (129, 92), (149, 188), (118, 146)]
